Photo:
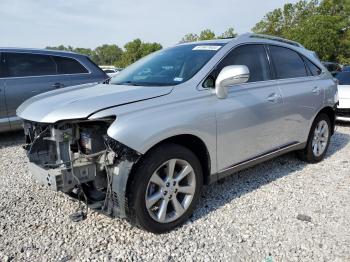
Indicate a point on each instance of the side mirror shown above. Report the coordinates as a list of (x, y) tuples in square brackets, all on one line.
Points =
[(230, 75)]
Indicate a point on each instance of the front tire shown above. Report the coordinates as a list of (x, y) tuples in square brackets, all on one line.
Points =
[(318, 140), (165, 188)]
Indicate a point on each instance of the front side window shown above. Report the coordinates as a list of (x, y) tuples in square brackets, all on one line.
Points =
[(287, 63), (253, 56), (67, 65), (25, 64), (168, 67)]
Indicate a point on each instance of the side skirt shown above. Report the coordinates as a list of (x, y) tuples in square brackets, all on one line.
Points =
[(256, 160)]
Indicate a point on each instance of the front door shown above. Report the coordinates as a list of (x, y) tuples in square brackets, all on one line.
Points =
[(249, 119)]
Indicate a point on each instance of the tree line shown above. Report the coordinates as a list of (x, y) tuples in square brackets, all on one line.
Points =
[(322, 26), (134, 50), (113, 54)]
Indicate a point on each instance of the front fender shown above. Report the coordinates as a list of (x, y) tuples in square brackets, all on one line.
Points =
[(143, 129)]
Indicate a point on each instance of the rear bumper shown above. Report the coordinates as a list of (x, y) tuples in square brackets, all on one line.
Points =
[(343, 113), (342, 118)]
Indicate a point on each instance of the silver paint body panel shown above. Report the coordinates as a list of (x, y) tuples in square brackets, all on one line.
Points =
[(247, 124)]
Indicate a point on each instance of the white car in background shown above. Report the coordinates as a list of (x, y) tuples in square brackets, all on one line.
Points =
[(343, 110), (111, 70)]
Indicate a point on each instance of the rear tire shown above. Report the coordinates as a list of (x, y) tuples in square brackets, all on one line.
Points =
[(318, 140), (165, 188)]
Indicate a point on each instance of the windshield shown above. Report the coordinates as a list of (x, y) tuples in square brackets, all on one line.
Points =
[(167, 67), (343, 77)]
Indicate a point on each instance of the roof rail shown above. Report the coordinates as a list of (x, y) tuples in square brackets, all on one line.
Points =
[(274, 38)]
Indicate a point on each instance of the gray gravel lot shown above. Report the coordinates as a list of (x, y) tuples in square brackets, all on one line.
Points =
[(260, 214)]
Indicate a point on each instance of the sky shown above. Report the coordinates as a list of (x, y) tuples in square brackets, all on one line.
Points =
[(90, 23)]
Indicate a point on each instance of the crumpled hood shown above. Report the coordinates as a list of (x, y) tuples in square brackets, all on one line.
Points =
[(81, 101)]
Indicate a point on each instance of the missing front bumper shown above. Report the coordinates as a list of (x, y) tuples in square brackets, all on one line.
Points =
[(62, 179), (80, 157)]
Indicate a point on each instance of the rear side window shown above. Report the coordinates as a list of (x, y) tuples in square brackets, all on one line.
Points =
[(252, 56), (25, 64), (67, 65), (287, 63), (314, 70)]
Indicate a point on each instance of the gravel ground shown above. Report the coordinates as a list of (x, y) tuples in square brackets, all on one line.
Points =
[(282, 210)]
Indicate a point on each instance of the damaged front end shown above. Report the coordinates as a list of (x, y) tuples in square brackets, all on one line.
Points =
[(80, 159)]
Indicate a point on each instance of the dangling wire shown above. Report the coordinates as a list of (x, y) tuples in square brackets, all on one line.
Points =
[(109, 185)]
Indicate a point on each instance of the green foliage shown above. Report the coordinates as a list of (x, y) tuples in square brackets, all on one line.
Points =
[(135, 50), (207, 34), (84, 51), (320, 26), (114, 55), (320, 33), (229, 33), (61, 48), (107, 54), (189, 38)]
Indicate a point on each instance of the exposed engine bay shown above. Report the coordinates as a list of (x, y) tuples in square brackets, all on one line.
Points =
[(80, 159)]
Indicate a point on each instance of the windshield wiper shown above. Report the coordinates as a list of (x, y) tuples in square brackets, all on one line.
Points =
[(129, 83), (106, 81)]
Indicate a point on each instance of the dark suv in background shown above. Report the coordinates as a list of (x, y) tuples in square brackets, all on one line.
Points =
[(27, 72), (332, 67)]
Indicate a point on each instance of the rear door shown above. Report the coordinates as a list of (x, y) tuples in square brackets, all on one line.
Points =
[(4, 122), (28, 74), (302, 90), (248, 120)]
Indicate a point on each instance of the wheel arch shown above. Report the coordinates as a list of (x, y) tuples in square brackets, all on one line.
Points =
[(330, 112), (191, 142)]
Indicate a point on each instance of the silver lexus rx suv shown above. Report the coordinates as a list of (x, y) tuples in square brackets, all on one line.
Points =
[(143, 145)]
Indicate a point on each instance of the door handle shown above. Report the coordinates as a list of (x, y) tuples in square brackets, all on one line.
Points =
[(57, 85), (316, 90), (273, 98)]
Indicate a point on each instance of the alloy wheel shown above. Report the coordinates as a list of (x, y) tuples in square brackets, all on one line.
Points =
[(320, 139), (170, 190)]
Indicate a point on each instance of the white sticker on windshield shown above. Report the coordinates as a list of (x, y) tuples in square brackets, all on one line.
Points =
[(178, 79), (207, 47)]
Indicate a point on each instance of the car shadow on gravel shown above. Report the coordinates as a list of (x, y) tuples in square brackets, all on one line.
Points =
[(224, 191), (11, 139)]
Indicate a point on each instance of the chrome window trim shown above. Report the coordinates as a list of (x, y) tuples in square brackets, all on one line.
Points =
[(51, 55)]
